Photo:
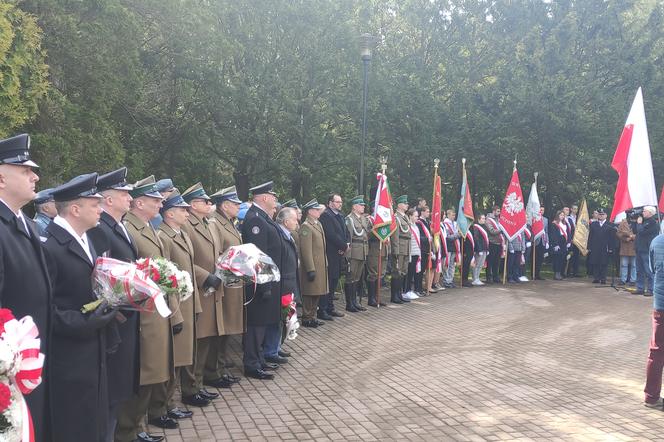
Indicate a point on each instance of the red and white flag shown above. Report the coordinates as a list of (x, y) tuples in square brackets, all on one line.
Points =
[(513, 214), (632, 161), (533, 212), (382, 217)]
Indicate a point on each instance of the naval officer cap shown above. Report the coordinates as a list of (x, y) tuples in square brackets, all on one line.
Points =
[(82, 186), (292, 203), (165, 185), (146, 187), (359, 199), (195, 192), (263, 188), (227, 194), (114, 180), (313, 204), (403, 199), (44, 196), (174, 200), (16, 151)]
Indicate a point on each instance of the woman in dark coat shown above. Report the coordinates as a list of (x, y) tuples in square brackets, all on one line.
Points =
[(558, 244)]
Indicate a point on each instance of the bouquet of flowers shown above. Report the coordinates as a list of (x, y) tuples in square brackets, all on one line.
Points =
[(246, 264), (170, 279), (20, 372), (289, 316), (123, 284)]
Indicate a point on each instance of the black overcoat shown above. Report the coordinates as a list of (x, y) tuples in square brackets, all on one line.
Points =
[(264, 306), (123, 365), (600, 242), (25, 289), (289, 273), (336, 241), (79, 395)]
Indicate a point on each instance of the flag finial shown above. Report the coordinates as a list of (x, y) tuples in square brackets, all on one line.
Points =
[(536, 174), (463, 160), (383, 163)]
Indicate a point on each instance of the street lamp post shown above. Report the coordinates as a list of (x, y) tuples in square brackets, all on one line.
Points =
[(366, 42)]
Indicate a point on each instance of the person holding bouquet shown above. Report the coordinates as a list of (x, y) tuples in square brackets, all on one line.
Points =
[(78, 345), (25, 285), (224, 219), (156, 358), (210, 325), (178, 246)]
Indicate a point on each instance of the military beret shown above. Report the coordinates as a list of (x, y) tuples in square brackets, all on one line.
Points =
[(82, 186), (227, 194), (16, 150), (173, 200), (195, 192), (145, 187), (114, 180)]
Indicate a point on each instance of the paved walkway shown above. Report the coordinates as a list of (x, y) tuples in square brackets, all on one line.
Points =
[(563, 361)]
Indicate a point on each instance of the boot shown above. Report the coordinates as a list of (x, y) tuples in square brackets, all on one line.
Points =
[(357, 297), (395, 290), (349, 291), (372, 287)]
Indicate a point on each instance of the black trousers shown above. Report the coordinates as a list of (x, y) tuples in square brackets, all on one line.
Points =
[(493, 264), (599, 271), (467, 258), (253, 347), (410, 277), (326, 302), (573, 267), (559, 261)]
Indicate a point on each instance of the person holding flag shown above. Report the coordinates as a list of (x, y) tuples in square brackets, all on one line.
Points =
[(558, 237), (496, 246), (464, 222), (400, 242), (438, 246), (513, 220), (382, 227), (453, 248), (536, 221)]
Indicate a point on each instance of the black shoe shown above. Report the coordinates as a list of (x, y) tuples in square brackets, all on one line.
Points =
[(310, 324), (164, 422), (258, 374), (539, 278), (218, 383), (638, 292), (602, 281), (147, 437), (231, 378), (325, 316), (196, 400), (178, 413), (277, 359), (595, 281), (284, 354), (320, 323), (647, 294), (208, 394), (466, 284), (337, 314), (270, 366), (372, 304), (497, 280)]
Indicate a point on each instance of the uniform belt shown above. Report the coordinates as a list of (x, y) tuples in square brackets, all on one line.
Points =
[(359, 241)]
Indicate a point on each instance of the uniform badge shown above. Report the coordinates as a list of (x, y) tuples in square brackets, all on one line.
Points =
[(255, 230), (304, 232)]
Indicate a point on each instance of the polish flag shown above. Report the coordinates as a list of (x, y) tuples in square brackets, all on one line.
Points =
[(632, 161)]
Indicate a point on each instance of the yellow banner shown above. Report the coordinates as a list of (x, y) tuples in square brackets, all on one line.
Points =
[(582, 229)]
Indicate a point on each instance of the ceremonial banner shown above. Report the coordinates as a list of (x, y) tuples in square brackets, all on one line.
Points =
[(632, 161), (436, 205), (661, 201), (465, 216), (513, 214), (582, 229), (533, 216), (383, 215)]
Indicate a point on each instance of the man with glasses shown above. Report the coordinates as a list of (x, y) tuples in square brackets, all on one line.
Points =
[(337, 244)]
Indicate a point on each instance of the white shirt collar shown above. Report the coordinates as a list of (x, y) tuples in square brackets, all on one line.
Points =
[(81, 240)]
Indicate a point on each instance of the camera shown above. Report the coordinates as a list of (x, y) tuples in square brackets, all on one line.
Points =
[(634, 214)]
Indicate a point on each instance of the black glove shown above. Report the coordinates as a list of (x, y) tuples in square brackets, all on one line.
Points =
[(212, 281), (177, 328), (311, 276), (102, 316)]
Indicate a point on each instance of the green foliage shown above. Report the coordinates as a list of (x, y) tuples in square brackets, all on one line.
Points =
[(23, 72), (245, 91)]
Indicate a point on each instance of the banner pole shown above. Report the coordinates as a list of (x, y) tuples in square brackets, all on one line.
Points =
[(533, 234), (380, 273)]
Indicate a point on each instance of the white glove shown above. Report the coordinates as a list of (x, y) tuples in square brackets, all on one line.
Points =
[(556, 248), (528, 244)]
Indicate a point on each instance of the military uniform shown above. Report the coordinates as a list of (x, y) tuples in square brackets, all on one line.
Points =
[(156, 337), (25, 285), (210, 324), (358, 230), (41, 219), (234, 313), (400, 250), (181, 252), (314, 281), (376, 250)]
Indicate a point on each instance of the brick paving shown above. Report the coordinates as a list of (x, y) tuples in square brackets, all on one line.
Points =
[(547, 360)]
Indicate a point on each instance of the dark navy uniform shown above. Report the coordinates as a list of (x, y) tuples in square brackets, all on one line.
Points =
[(25, 286)]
